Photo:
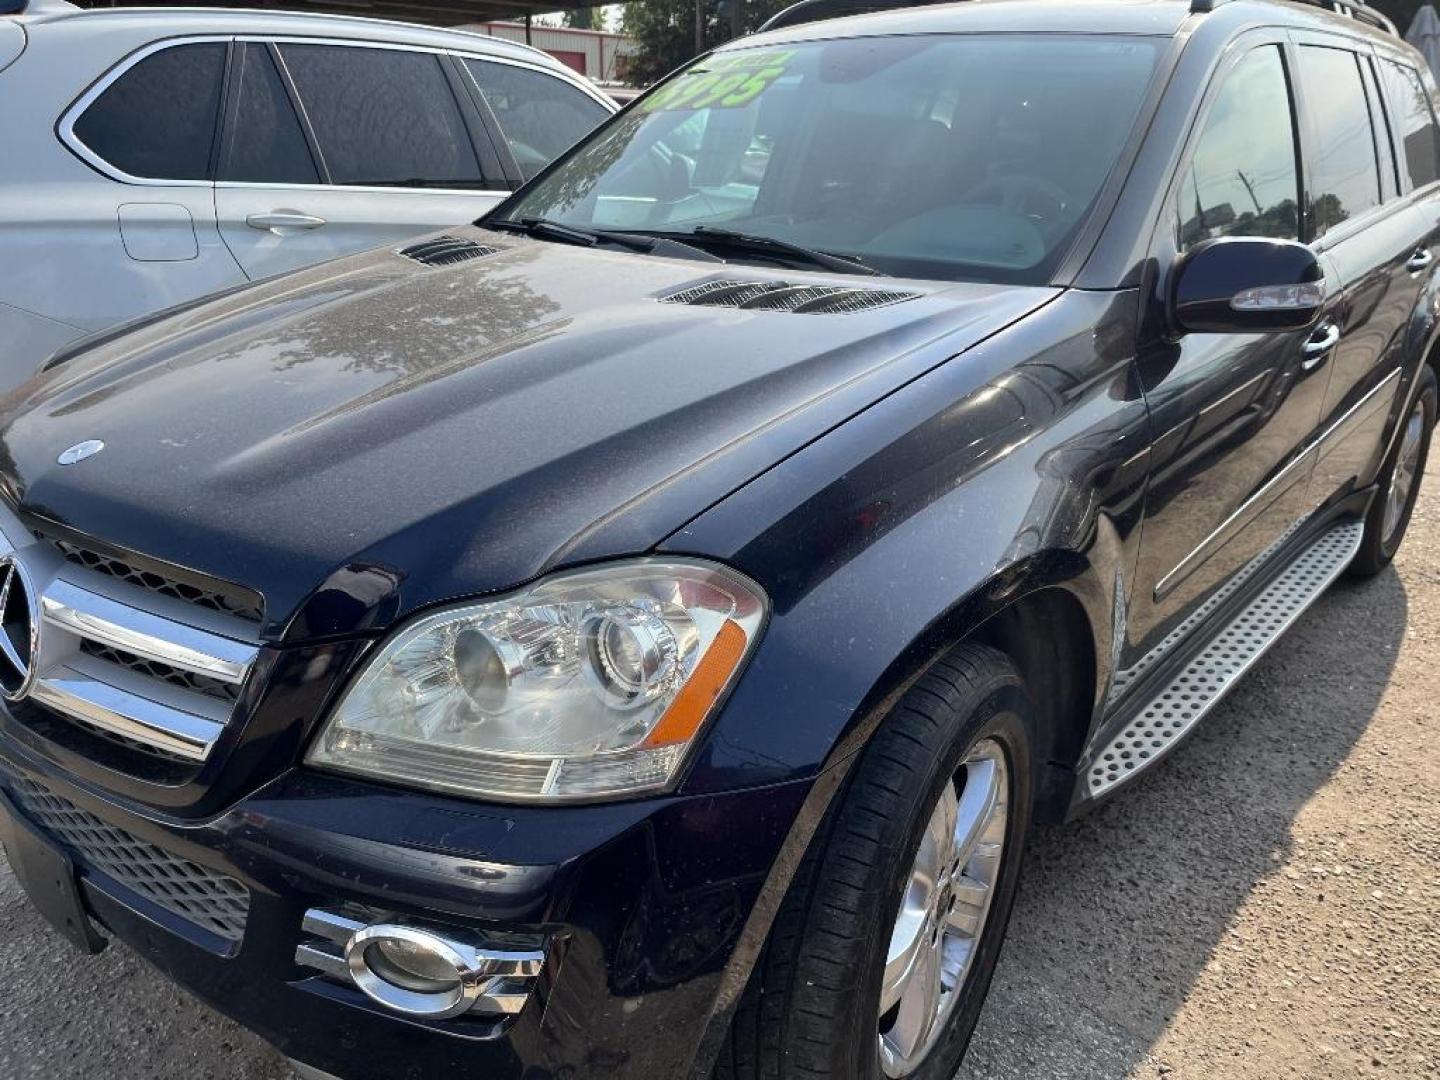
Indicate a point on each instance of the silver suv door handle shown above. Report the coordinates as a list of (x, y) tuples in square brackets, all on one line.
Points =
[(282, 222), (1419, 261), (1319, 345)]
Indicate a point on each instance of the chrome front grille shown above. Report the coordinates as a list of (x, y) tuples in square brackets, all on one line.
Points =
[(207, 899), (201, 684), (139, 659)]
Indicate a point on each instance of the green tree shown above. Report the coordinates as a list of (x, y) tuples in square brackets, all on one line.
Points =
[(585, 18), (664, 30)]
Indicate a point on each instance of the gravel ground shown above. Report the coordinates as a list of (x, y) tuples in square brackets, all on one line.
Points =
[(1266, 905)]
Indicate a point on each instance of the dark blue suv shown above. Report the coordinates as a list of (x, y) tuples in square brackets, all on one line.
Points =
[(630, 638)]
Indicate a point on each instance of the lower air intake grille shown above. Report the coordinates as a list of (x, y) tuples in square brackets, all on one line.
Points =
[(209, 900), (782, 296), (446, 251)]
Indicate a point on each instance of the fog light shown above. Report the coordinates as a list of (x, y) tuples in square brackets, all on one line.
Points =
[(412, 966), (413, 971), (419, 972)]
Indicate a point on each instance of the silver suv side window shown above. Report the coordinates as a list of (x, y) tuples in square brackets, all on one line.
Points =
[(1242, 179), (383, 116), (1340, 158), (157, 120), (540, 115), (264, 140), (1413, 121)]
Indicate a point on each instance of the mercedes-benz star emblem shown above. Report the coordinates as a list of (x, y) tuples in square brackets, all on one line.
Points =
[(18, 628), (80, 451)]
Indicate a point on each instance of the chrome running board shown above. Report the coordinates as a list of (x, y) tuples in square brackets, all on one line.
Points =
[(1198, 687)]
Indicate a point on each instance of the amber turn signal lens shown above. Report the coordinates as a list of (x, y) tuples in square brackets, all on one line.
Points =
[(695, 700)]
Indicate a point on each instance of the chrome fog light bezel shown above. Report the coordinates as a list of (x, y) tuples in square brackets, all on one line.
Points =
[(495, 974), (438, 1005)]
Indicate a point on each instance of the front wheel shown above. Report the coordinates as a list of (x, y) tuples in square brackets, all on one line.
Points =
[(882, 953), (1399, 487)]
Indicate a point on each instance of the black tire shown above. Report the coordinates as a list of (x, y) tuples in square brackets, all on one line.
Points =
[(1377, 546), (811, 1009)]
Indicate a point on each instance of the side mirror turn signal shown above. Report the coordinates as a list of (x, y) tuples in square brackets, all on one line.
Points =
[(1246, 285)]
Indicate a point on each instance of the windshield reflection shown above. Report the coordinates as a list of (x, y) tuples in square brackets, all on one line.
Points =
[(973, 157)]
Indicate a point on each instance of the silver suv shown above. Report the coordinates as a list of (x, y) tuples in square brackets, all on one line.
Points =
[(153, 156)]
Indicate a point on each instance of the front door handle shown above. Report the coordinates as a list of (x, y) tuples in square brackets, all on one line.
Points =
[(284, 222), (1318, 347), (1419, 261)]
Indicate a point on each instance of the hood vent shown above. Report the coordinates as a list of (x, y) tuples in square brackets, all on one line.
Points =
[(782, 296), (447, 251)]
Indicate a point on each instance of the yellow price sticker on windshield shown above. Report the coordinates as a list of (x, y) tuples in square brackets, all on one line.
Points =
[(728, 81)]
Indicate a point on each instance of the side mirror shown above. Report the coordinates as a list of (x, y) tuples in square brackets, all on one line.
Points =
[(1246, 285)]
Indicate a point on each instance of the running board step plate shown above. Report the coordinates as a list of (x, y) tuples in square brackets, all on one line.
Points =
[(1198, 687)]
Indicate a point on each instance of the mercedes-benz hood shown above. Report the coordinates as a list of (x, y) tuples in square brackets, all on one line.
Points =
[(449, 430)]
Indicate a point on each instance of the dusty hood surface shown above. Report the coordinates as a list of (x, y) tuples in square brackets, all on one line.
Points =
[(372, 435)]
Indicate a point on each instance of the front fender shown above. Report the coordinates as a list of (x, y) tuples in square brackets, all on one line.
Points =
[(1017, 465)]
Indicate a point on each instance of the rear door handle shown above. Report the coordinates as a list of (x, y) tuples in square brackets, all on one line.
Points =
[(1419, 261), (284, 222), (1319, 345)]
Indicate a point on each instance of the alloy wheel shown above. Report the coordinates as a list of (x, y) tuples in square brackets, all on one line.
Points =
[(943, 912), (1403, 477)]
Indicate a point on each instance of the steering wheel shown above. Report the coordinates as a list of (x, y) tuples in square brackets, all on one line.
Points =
[(1019, 193), (661, 171)]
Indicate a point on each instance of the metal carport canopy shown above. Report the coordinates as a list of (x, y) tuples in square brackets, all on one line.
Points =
[(433, 12)]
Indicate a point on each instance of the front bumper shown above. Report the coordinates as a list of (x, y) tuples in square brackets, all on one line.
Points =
[(642, 906)]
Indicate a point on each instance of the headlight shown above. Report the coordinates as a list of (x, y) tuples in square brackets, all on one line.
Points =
[(587, 684)]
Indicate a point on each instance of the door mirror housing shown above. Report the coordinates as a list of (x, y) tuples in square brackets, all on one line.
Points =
[(1246, 285)]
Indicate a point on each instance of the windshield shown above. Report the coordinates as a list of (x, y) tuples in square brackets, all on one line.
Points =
[(967, 157)]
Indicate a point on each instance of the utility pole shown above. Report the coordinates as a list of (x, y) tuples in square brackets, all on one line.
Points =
[(1249, 190), (699, 27), (737, 23)]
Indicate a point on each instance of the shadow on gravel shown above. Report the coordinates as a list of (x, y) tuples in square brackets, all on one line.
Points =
[(1120, 911)]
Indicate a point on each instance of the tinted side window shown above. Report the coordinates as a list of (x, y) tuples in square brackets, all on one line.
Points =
[(1414, 122), (1344, 175), (540, 115), (264, 141), (1242, 179), (1384, 144), (383, 117), (157, 120)]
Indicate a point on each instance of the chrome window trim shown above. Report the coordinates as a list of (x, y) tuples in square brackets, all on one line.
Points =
[(233, 185), (582, 85), (65, 128)]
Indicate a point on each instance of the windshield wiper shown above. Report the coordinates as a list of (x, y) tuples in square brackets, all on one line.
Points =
[(545, 229), (769, 245)]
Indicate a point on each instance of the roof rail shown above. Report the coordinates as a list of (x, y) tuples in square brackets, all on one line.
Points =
[(817, 10), (1356, 9)]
